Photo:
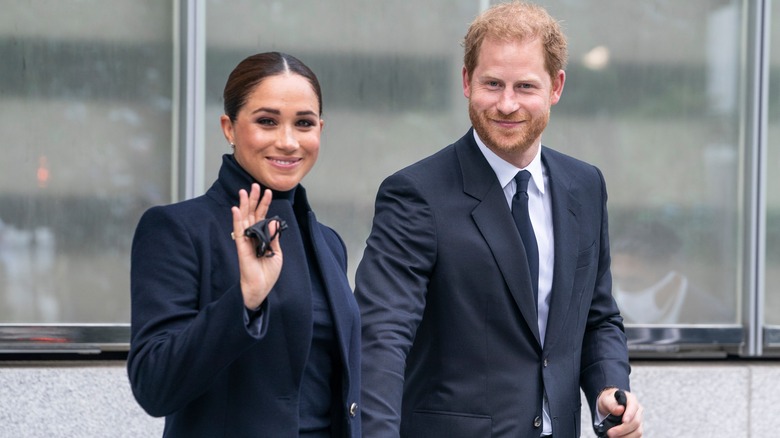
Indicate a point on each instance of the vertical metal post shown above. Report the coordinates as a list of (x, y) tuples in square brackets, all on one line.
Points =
[(754, 177), (190, 139)]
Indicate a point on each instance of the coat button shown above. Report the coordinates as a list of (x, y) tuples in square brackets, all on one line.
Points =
[(538, 421), (545, 362), (353, 409)]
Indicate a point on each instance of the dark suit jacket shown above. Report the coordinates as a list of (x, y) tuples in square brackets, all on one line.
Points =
[(194, 358), (450, 335)]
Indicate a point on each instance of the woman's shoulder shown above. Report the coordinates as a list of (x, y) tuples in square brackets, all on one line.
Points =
[(190, 213)]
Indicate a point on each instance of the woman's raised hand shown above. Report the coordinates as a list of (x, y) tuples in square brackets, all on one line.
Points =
[(258, 274)]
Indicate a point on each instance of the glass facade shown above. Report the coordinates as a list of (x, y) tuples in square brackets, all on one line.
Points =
[(771, 177), (658, 95), (86, 120)]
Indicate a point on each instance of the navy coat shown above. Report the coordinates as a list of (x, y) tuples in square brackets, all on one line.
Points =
[(450, 336), (195, 358)]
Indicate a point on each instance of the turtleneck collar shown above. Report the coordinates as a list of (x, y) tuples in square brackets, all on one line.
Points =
[(233, 177)]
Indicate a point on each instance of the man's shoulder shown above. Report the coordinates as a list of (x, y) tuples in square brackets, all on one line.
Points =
[(558, 157), (444, 160), (560, 163)]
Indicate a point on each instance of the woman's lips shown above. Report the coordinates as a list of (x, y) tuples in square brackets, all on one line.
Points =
[(284, 162)]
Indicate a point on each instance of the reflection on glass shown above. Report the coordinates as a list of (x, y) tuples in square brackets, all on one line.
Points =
[(654, 100), (772, 274), (651, 282), (85, 118)]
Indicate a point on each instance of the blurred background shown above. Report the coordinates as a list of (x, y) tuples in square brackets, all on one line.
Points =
[(108, 108)]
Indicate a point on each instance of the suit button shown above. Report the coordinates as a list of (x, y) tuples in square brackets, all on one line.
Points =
[(545, 362), (538, 421), (353, 409)]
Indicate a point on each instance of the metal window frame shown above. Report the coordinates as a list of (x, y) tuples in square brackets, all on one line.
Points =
[(188, 180)]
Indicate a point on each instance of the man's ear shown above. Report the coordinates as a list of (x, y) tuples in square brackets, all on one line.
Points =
[(557, 87), (466, 83)]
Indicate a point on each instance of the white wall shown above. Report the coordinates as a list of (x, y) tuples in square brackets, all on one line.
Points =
[(682, 399)]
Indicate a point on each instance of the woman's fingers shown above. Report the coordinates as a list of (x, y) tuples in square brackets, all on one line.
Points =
[(262, 207), (239, 214), (273, 230), (254, 197)]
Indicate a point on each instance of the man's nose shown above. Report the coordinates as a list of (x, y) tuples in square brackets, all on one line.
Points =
[(508, 102)]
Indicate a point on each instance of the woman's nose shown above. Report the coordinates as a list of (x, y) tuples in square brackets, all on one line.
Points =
[(287, 139)]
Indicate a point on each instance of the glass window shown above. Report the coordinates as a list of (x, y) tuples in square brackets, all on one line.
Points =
[(654, 100), (85, 117), (772, 267), (655, 97), (390, 81)]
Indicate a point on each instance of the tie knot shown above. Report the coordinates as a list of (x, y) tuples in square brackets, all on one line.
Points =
[(521, 179)]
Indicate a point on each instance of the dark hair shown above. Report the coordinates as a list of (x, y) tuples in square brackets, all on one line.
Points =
[(251, 71)]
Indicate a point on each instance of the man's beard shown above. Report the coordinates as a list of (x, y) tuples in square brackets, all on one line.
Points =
[(520, 139)]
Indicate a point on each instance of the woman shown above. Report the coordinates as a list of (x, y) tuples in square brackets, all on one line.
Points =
[(229, 342)]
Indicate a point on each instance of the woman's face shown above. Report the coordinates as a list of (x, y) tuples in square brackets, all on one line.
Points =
[(277, 132)]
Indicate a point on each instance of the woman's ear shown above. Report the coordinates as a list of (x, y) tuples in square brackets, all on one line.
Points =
[(227, 128)]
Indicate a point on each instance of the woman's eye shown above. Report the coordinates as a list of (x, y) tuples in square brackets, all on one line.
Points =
[(305, 123), (265, 121)]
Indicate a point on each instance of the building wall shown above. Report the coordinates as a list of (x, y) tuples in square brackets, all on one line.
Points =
[(718, 399)]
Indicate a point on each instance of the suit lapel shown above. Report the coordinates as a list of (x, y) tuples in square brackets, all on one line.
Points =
[(493, 219), (565, 208)]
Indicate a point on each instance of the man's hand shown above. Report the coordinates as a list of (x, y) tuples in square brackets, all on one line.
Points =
[(632, 413)]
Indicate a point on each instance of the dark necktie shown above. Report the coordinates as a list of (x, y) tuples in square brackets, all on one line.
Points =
[(524, 226)]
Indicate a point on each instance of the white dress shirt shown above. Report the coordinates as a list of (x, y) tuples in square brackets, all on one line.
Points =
[(540, 211)]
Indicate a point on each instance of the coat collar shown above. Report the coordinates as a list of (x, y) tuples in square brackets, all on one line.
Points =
[(233, 177)]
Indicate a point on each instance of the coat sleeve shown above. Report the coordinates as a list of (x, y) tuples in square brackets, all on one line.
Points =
[(180, 339), (604, 361), (390, 287)]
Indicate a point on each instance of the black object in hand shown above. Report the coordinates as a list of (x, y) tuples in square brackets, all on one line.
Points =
[(262, 236), (612, 420)]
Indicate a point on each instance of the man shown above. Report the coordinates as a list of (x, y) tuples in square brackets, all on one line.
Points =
[(454, 344)]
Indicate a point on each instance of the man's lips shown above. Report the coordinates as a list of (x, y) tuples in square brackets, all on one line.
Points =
[(507, 123)]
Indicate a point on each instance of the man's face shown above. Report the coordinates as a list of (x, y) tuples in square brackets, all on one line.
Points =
[(510, 94)]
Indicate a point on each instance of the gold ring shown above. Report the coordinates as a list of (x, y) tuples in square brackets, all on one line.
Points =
[(232, 236)]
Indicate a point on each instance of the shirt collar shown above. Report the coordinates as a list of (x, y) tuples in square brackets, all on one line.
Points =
[(505, 171)]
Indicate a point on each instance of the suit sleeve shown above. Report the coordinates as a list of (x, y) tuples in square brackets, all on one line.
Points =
[(178, 343), (604, 361), (391, 283)]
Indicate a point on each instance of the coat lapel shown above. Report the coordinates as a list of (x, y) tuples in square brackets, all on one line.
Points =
[(292, 290), (335, 283), (493, 219), (565, 208)]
